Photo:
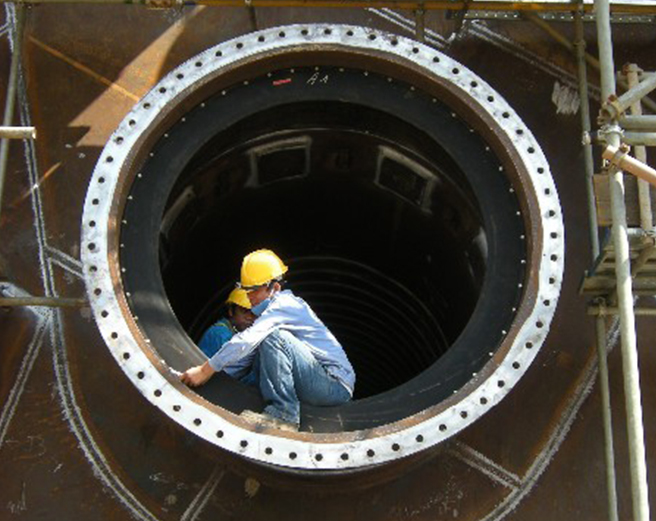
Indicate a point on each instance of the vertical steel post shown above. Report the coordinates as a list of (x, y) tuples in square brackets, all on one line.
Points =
[(10, 101), (624, 290), (600, 323), (579, 45)]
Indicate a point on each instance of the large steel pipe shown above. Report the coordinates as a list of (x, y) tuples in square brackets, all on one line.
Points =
[(415, 208)]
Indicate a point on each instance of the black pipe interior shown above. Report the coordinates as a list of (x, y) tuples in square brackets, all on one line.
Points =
[(368, 197)]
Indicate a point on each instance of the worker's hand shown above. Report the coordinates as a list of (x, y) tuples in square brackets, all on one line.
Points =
[(197, 375)]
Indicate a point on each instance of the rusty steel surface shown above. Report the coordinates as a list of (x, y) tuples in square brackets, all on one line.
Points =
[(76, 438)]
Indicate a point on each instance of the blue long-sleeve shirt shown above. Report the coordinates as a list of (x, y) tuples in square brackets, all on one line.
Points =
[(217, 335), (289, 313)]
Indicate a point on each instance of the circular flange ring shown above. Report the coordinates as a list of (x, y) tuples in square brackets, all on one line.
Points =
[(140, 361)]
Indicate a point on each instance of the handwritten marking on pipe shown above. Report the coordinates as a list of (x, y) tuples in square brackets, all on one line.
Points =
[(277, 83)]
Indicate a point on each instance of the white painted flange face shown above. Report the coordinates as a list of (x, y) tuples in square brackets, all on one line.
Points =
[(160, 386)]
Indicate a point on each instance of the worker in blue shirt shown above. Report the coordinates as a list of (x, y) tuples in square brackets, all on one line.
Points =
[(239, 317), (300, 360)]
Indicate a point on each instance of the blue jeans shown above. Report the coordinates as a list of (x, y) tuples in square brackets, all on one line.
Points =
[(289, 375)]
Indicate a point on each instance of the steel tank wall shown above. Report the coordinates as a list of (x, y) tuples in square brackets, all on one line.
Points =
[(77, 439)]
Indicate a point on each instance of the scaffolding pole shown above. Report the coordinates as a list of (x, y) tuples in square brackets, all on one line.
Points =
[(630, 369), (600, 324)]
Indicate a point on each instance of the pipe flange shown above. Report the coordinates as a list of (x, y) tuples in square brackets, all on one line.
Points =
[(147, 371)]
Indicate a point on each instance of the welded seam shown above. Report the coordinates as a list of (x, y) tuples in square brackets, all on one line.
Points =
[(477, 29), (485, 465), (24, 372), (198, 504), (73, 415), (65, 261), (86, 70), (432, 37), (559, 433)]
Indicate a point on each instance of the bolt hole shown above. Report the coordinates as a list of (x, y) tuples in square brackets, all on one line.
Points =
[(547, 191), (396, 447), (268, 451), (529, 345), (539, 324), (344, 456), (141, 375), (132, 123), (281, 34), (177, 408), (547, 302), (483, 400), (318, 457), (501, 383), (372, 37), (394, 42), (240, 45), (327, 31), (540, 169), (415, 50), (455, 70), (371, 453), (101, 180), (97, 292), (349, 33), (198, 64), (292, 455), (104, 314), (419, 438), (506, 115), (114, 335), (304, 32), (554, 235), (261, 39), (93, 269), (109, 159), (157, 393), (554, 258), (219, 434), (243, 444), (126, 356), (179, 75), (552, 280), (519, 132), (530, 151), (464, 414), (490, 99), (474, 84), (95, 202), (218, 54), (442, 427), (516, 365), (118, 140), (162, 90), (197, 422)]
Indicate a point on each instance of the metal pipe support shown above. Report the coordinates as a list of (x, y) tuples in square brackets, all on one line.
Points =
[(641, 122), (17, 132), (51, 302), (619, 157), (635, 429), (614, 107)]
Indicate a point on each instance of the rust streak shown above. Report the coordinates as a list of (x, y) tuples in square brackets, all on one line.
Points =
[(98, 77)]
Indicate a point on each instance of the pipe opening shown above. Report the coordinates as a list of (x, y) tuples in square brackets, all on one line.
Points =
[(397, 223)]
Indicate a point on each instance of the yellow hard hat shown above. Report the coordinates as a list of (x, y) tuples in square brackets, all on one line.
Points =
[(240, 297), (261, 267)]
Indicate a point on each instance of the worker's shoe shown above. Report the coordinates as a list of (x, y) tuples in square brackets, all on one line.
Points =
[(266, 420)]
